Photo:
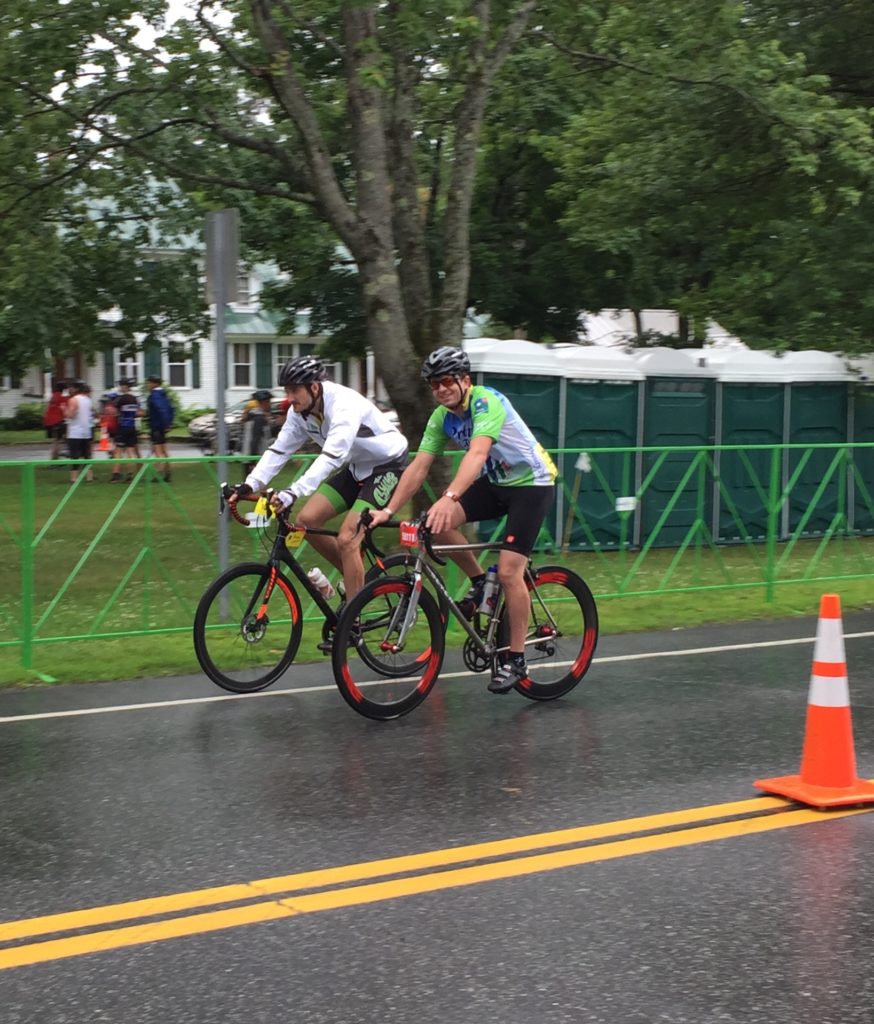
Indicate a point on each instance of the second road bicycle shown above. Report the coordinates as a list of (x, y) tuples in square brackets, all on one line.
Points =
[(390, 641)]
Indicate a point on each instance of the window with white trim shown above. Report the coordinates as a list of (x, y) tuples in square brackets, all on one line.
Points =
[(177, 367), (127, 367), (284, 354), (242, 375)]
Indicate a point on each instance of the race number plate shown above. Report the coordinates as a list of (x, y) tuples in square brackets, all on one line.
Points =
[(295, 538), (409, 535)]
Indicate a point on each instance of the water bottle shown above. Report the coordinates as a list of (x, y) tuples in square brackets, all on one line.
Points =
[(490, 591), (321, 582)]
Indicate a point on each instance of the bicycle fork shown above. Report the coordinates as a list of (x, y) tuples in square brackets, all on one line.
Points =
[(403, 618)]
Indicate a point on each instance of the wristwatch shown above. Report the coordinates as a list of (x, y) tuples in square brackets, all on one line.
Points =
[(451, 494)]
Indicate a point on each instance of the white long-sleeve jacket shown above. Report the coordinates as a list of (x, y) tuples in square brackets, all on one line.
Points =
[(350, 430)]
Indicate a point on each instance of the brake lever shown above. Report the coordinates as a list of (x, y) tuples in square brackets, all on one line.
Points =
[(425, 534), (364, 521)]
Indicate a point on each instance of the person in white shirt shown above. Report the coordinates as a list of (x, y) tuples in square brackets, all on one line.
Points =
[(80, 426), (363, 455)]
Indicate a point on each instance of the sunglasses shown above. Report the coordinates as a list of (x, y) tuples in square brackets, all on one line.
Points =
[(442, 382)]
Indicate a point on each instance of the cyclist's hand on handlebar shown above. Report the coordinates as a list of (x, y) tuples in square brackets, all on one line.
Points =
[(377, 516), (440, 515), (283, 500), (233, 494)]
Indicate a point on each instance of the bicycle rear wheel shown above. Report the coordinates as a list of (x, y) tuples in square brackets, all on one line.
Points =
[(247, 632), (365, 646), (562, 632)]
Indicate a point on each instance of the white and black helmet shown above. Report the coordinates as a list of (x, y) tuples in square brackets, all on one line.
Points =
[(303, 370), (446, 361)]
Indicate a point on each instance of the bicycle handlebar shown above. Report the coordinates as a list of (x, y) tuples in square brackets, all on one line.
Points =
[(281, 514), (421, 528)]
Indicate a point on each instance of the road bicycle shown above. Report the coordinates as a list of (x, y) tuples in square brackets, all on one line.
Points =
[(249, 622), (397, 624)]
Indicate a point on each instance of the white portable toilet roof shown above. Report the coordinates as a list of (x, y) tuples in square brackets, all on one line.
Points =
[(753, 367), (668, 362), (476, 346), (811, 365), (596, 362), (515, 356), (862, 369)]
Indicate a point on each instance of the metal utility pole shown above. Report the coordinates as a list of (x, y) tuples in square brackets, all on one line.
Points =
[(222, 257)]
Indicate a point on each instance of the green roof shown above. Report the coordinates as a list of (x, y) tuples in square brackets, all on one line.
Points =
[(263, 323)]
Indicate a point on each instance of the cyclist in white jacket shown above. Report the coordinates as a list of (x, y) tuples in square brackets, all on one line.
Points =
[(363, 456)]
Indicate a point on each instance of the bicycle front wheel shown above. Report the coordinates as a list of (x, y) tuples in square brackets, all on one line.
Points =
[(398, 564), (247, 628), (562, 632), (366, 643)]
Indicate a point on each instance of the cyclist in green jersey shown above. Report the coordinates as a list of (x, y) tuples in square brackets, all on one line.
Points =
[(505, 471)]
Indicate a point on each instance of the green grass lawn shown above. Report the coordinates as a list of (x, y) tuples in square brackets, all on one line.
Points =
[(147, 568)]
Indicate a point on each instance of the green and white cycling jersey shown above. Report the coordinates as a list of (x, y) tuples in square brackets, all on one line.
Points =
[(516, 459)]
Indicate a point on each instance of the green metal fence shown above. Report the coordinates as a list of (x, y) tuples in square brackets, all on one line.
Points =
[(96, 561)]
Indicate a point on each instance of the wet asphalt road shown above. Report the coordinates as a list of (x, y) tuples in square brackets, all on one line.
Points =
[(177, 797)]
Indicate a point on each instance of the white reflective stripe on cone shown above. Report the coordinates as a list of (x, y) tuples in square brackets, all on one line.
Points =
[(829, 644), (829, 692)]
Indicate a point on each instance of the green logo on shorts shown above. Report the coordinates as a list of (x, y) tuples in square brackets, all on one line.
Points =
[(383, 488)]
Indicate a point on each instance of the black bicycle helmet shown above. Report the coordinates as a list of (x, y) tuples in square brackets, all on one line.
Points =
[(446, 361), (303, 370)]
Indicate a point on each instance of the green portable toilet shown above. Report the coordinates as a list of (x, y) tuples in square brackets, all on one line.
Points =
[(817, 415), (861, 482), (751, 407), (602, 404), (527, 373), (678, 412)]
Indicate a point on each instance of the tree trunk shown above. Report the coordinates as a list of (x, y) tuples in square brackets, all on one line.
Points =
[(396, 363)]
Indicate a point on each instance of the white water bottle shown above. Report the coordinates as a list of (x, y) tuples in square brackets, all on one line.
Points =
[(490, 591), (321, 582)]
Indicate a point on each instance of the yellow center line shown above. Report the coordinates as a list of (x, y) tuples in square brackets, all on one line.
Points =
[(374, 869), (271, 910)]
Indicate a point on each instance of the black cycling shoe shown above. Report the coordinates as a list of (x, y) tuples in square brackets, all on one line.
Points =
[(469, 604), (507, 676)]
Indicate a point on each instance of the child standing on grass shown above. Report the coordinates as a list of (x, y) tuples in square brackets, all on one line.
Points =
[(53, 419)]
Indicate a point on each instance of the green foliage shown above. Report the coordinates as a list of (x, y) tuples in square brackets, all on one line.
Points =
[(27, 416), (727, 170)]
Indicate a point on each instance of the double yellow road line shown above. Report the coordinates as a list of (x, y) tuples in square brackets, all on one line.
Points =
[(270, 899)]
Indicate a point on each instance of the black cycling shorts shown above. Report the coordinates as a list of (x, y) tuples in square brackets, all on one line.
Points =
[(345, 492), (524, 507)]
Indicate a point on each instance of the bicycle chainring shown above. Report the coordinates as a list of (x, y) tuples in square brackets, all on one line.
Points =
[(474, 657)]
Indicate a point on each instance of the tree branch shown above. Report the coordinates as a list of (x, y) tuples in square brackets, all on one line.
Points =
[(711, 83), (468, 128), (292, 97)]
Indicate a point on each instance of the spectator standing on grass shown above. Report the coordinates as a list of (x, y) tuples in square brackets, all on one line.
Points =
[(160, 413), (256, 424), (127, 440), (79, 414), (53, 419), (108, 424)]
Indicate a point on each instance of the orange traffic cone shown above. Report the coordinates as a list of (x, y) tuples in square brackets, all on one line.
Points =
[(828, 760), (104, 440)]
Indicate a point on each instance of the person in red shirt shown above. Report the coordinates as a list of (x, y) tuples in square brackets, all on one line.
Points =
[(53, 419)]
